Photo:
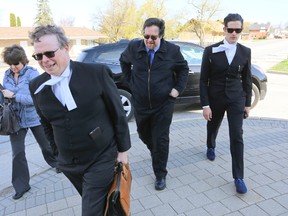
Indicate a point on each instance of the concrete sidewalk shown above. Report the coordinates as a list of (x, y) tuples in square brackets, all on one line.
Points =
[(195, 186)]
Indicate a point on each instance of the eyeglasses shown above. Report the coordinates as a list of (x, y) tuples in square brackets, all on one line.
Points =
[(237, 30), (48, 54), (15, 64), (153, 37)]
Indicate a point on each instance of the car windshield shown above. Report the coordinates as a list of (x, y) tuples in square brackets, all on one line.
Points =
[(111, 56), (192, 54)]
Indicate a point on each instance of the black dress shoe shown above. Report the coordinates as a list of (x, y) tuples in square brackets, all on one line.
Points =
[(19, 195), (160, 184)]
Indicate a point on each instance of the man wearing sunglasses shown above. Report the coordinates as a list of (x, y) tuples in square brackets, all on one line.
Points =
[(156, 73), (226, 86), (83, 117)]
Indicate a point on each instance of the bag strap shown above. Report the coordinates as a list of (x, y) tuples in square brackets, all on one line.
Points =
[(117, 190)]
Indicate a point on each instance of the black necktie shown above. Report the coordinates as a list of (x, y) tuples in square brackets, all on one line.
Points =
[(151, 56)]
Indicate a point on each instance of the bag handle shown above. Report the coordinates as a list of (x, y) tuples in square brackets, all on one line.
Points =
[(119, 170)]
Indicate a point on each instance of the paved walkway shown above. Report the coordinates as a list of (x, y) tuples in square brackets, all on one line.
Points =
[(195, 186)]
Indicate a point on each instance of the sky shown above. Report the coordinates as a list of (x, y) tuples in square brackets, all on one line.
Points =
[(252, 11)]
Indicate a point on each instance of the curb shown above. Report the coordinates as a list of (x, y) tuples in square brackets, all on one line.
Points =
[(277, 72)]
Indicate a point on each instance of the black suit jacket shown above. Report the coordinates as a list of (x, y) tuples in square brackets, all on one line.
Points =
[(218, 79), (98, 106)]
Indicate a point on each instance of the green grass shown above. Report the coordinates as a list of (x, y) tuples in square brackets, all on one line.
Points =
[(281, 66)]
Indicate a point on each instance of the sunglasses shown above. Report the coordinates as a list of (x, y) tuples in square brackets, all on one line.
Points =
[(48, 54), (15, 64), (153, 37), (237, 30)]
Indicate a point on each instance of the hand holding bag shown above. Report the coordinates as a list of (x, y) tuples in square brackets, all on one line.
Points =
[(9, 121), (118, 199)]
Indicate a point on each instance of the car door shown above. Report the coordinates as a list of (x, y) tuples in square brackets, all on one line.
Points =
[(193, 55)]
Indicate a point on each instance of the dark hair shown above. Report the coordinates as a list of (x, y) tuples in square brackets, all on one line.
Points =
[(14, 54), (233, 17), (160, 23), (42, 30)]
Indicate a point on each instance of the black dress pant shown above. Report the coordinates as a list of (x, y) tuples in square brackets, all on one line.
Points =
[(153, 126), (235, 111), (92, 182)]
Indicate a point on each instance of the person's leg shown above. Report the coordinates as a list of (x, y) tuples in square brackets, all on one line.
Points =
[(20, 171), (97, 180), (160, 127), (218, 111), (44, 145), (76, 178), (235, 113), (143, 122)]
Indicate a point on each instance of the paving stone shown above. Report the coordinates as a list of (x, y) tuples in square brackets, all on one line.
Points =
[(195, 186), (272, 207)]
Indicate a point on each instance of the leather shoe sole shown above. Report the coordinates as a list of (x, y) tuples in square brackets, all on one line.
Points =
[(160, 184), (19, 195)]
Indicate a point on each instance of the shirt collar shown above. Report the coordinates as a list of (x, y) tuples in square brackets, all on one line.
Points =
[(228, 44)]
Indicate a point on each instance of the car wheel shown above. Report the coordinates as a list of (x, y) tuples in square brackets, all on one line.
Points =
[(126, 102), (255, 95)]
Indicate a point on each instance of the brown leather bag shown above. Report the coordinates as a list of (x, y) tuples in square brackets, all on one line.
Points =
[(118, 199)]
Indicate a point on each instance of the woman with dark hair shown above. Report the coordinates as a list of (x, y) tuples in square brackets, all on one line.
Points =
[(15, 83)]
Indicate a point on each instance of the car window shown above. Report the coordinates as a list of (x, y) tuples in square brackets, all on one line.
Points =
[(110, 56), (193, 55)]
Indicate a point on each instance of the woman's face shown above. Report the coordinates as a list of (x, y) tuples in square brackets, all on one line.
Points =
[(16, 67)]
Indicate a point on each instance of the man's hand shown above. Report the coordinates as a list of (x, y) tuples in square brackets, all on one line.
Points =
[(174, 93), (207, 113), (122, 157), (247, 110)]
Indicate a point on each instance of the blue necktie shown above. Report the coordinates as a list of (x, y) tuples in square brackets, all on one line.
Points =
[(151, 56)]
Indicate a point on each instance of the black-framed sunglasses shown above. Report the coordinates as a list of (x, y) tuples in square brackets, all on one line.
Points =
[(15, 64), (237, 30), (153, 37), (48, 54)]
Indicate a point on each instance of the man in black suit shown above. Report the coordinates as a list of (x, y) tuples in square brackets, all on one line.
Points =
[(83, 117), (226, 85), (156, 72)]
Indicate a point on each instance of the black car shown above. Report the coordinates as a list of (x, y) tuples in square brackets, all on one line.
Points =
[(109, 54)]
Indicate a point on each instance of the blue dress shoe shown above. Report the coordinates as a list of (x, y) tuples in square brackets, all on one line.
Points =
[(19, 195), (160, 184), (210, 154), (240, 186)]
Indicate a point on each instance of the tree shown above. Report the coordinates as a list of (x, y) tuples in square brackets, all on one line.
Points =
[(12, 20), (123, 20), (159, 11), (18, 21), (205, 10), (44, 15), (119, 20)]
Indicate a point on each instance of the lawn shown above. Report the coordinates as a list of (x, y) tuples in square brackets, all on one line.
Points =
[(281, 66)]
